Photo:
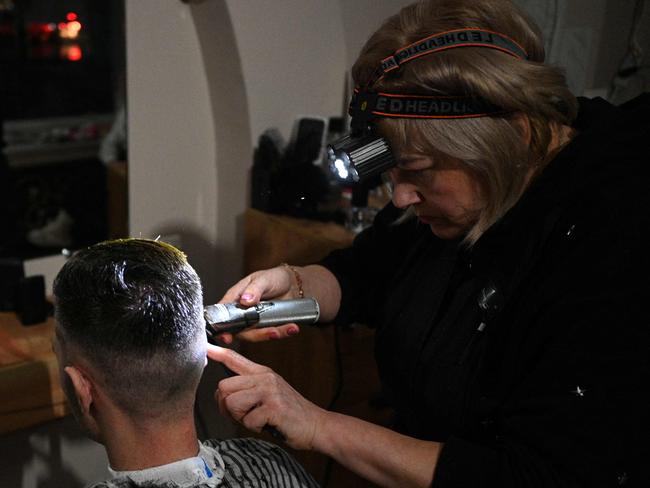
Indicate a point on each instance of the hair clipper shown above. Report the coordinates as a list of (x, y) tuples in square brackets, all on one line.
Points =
[(233, 317)]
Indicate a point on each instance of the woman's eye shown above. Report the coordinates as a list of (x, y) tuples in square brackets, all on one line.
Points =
[(416, 175)]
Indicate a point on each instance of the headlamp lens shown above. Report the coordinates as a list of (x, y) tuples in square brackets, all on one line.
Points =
[(357, 158), (341, 166)]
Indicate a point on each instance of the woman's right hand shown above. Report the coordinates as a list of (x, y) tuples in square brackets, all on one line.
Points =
[(275, 283), (257, 397)]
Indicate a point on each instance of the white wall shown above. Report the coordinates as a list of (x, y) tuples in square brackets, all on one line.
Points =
[(205, 79), (295, 54), (293, 59), (172, 170)]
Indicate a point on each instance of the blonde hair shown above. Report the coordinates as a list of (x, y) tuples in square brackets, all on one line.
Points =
[(492, 147)]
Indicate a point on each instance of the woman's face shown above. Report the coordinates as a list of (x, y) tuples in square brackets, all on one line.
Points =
[(443, 194)]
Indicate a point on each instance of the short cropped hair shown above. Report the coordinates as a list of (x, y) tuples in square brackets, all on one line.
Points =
[(492, 147), (133, 309)]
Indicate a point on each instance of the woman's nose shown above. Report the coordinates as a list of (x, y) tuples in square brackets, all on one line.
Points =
[(404, 194)]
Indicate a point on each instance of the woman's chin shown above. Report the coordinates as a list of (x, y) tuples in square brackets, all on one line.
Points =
[(446, 230)]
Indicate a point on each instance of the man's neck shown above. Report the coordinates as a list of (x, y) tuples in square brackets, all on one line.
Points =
[(132, 445)]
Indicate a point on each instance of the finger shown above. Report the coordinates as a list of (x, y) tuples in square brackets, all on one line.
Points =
[(221, 393), (257, 288), (269, 333), (234, 292), (239, 404), (265, 284), (249, 290), (233, 384), (230, 411), (219, 399), (288, 330), (257, 418), (225, 338), (235, 362)]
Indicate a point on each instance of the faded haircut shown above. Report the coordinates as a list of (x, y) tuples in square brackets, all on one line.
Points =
[(492, 147), (133, 309)]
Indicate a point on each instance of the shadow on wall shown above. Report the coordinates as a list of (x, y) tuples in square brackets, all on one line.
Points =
[(232, 135), (205, 256)]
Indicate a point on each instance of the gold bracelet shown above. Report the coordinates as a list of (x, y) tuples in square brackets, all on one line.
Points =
[(301, 292)]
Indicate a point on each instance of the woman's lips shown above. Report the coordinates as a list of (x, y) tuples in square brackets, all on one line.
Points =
[(429, 219)]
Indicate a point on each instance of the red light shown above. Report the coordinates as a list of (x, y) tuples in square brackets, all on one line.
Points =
[(62, 25), (73, 53), (71, 16)]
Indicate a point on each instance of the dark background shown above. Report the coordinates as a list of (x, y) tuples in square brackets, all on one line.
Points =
[(61, 91)]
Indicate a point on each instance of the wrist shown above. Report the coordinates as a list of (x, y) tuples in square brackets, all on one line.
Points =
[(322, 438), (295, 278)]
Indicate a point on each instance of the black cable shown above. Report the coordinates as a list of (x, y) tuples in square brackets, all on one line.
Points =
[(337, 393), (339, 369)]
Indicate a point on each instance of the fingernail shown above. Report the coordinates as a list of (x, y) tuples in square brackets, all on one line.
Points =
[(274, 334), (247, 296), (293, 330)]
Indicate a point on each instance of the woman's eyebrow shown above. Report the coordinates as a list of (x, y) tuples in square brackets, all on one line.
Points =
[(409, 160)]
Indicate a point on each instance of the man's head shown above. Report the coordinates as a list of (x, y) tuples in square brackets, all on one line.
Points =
[(130, 331)]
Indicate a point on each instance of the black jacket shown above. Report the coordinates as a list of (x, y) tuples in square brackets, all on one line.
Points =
[(529, 355)]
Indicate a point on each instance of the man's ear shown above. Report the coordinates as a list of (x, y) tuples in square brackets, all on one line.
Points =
[(521, 121), (82, 387)]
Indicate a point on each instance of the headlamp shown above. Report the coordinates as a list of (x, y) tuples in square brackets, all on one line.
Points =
[(357, 158), (363, 153)]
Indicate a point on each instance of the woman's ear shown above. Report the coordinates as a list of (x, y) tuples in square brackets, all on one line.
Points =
[(521, 121)]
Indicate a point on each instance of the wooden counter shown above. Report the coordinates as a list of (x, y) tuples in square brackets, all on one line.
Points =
[(30, 392)]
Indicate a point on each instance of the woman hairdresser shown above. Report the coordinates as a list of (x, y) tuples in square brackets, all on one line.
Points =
[(508, 280)]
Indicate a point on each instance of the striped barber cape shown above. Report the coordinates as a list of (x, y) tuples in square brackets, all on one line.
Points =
[(231, 463)]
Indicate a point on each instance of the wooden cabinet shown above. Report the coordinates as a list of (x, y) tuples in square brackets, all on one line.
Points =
[(29, 380)]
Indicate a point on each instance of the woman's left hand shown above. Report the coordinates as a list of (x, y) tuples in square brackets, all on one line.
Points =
[(258, 396)]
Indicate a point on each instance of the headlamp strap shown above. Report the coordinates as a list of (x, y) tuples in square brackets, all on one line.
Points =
[(466, 37), (366, 105)]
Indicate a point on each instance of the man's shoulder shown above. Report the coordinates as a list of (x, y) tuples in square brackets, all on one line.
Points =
[(248, 448), (252, 460), (127, 483), (241, 443), (247, 462)]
